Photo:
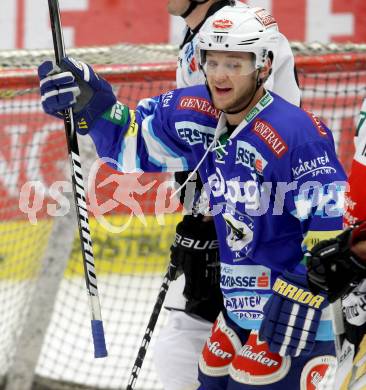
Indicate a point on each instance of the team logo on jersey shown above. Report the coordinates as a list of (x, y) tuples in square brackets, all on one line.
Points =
[(317, 123), (198, 104), (239, 233), (249, 156), (270, 137), (265, 17), (222, 24)]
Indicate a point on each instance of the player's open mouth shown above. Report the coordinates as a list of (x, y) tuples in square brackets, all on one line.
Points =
[(222, 91)]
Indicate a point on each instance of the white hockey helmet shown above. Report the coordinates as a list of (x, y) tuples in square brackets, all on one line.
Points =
[(240, 29)]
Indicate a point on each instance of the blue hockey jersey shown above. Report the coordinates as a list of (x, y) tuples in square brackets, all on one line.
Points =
[(275, 184)]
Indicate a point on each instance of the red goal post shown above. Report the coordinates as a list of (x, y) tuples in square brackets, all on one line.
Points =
[(130, 263)]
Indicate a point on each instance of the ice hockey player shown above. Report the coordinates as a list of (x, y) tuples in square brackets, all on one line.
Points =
[(261, 160), (338, 266), (194, 299)]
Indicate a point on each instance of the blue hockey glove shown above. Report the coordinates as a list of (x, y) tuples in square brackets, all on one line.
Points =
[(75, 85), (291, 316)]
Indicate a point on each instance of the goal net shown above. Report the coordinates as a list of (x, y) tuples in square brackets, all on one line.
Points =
[(45, 323)]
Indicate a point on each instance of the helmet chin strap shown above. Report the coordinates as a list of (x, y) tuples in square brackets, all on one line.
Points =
[(192, 6)]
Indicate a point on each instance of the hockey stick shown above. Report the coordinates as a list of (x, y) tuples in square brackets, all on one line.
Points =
[(338, 325), (100, 349), (169, 276), (338, 329)]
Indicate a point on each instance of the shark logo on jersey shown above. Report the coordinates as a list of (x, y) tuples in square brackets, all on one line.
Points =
[(239, 233)]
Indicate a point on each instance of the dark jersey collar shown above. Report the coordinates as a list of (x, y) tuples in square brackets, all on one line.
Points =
[(191, 33)]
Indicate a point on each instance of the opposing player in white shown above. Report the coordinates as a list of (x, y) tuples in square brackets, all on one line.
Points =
[(195, 298)]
